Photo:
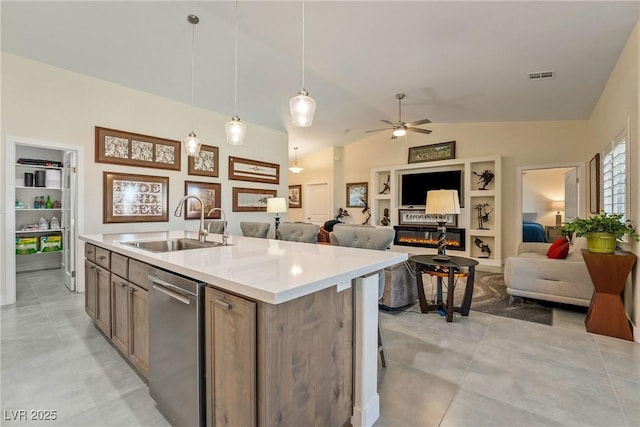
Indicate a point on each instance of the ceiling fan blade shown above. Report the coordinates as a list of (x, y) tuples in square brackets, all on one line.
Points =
[(388, 122), (427, 131), (419, 122), (377, 130)]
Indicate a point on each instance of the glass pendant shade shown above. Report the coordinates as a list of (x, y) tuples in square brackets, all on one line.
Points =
[(192, 144), (235, 131), (302, 108), (399, 132), (296, 169)]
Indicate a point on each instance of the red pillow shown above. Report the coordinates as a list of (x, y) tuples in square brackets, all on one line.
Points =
[(559, 249)]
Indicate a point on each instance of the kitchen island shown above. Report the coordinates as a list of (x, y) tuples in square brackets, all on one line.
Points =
[(309, 349)]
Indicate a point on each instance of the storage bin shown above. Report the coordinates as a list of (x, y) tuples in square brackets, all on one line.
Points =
[(53, 178)]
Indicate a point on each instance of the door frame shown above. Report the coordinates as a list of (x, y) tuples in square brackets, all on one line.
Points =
[(8, 296), (580, 168)]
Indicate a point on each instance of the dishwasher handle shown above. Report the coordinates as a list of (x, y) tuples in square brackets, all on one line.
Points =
[(175, 295)]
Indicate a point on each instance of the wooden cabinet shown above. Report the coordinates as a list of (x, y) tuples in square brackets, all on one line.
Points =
[(230, 349), (116, 298), (120, 313), (263, 369), (103, 300), (90, 290), (138, 316)]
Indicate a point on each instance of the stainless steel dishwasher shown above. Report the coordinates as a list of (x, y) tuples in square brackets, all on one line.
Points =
[(176, 347)]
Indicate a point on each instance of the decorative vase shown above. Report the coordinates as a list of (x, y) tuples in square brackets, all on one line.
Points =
[(601, 243)]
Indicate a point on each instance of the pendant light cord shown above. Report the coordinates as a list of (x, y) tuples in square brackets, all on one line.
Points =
[(193, 61), (235, 89), (302, 44)]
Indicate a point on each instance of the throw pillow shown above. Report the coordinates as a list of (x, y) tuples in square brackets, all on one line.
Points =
[(559, 249)]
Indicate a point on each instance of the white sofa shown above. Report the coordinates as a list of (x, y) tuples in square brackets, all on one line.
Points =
[(532, 275)]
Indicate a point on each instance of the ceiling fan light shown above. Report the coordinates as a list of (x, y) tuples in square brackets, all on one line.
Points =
[(236, 131), (302, 108), (192, 144), (399, 132)]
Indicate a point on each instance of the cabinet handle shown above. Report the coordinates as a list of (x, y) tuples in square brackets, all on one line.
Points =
[(123, 284), (102, 257), (223, 304), (131, 290)]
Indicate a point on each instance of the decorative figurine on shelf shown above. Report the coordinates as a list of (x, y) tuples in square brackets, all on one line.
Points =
[(486, 250), (342, 213), (366, 211), (385, 218), (485, 178), (387, 186), (483, 215)]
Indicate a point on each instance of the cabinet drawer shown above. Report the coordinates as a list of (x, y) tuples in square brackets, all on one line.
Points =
[(139, 273), (90, 252), (103, 258), (119, 265)]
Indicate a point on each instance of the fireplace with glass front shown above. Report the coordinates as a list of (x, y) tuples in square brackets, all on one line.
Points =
[(427, 237)]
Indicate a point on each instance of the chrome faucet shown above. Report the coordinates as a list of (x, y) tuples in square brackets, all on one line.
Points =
[(202, 232), (225, 235)]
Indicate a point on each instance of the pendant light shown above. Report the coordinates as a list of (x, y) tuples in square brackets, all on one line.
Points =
[(302, 106), (295, 168), (235, 129), (192, 143)]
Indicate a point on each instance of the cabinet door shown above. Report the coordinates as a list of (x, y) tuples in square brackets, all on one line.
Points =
[(90, 279), (119, 313), (230, 340), (103, 301), (139, 328)]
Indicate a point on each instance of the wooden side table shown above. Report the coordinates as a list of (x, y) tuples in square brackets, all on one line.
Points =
[(608, 272), (553, 232)]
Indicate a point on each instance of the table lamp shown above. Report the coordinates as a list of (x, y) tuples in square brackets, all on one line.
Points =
[(276, 205), (558, 205), (442, 203)]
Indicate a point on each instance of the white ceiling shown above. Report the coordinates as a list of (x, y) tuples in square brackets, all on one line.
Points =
[(456, 61)]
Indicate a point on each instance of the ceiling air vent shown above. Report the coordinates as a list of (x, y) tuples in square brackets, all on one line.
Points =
[(541, 75)]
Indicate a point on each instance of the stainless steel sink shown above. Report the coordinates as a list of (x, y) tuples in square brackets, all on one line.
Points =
[(172, 245)]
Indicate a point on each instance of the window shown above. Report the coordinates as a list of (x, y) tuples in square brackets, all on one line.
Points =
[(614, 176)]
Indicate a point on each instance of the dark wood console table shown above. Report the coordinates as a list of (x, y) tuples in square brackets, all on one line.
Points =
[(608, 273), (450, 269)]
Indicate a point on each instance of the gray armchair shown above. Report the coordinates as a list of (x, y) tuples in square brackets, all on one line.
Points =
[(254, 229), (298, 232)]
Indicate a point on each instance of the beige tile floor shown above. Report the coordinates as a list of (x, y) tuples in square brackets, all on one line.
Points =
[(482, 370)]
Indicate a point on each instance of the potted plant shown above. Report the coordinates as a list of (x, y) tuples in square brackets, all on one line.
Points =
[(602, 231)]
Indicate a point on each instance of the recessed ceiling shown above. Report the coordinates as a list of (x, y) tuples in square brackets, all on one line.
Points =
[(455, 61)]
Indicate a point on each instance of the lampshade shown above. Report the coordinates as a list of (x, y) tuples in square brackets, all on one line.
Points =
[(442, 202), (235, 131), (276, 204), (557, 205), (399, 132), (191, 144), (302, 108)]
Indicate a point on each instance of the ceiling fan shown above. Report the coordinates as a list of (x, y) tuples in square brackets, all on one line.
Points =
[(400, 128)]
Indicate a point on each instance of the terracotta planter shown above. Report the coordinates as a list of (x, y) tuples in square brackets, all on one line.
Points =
[(601, 243)]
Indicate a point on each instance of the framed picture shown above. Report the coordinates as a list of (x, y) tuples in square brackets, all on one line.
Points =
[(357, 194), (132, 149), (295, 196), (594, 184), (430, 153), (134, 198), (251, 199), (206, 164), (210, 195), (253, 171), (418, 217)]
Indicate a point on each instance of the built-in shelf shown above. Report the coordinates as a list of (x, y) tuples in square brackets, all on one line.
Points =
[(32, 209), (58, 230), (23, 187), (40, 253), (20, 165)]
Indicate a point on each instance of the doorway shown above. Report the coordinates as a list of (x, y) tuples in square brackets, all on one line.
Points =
[(48, 234), (549, 196)]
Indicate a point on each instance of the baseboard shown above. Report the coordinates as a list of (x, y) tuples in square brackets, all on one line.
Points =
[(636, 333)]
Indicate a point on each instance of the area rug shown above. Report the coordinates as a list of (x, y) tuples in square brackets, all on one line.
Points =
[(490, 296)]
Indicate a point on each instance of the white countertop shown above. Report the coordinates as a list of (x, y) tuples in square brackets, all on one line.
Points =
[(271, 271)]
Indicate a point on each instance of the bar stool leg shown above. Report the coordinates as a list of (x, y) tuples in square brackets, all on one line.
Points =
[(383, 360)]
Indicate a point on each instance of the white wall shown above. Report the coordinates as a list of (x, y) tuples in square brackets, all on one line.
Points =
[(616, 110), (42, 102)]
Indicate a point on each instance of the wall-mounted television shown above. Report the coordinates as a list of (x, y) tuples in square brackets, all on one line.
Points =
[(415, 186)]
